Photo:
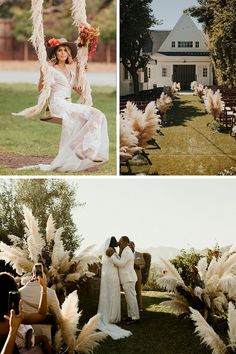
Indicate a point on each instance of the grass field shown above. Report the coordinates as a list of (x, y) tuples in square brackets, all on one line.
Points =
[(158, 332), (189, 146), (26, 136)]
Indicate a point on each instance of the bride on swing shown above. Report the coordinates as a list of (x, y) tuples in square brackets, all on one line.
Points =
[(84, 140)]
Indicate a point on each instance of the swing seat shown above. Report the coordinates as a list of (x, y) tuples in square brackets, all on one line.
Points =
[(48, 119), (54, 120)]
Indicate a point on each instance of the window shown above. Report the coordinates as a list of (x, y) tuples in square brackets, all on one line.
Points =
[(182, 44), (173, 44), (204, 72), (126, 74), (164, 72), (149, 73), (196, 44)]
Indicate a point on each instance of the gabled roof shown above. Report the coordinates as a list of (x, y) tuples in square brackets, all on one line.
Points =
[(185, 30), (155, 42)]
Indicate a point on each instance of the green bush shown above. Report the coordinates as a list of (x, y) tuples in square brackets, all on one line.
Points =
[(151, 284)]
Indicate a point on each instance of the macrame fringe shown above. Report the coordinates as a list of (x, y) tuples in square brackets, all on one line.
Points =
[(37, 40), (78, 12)]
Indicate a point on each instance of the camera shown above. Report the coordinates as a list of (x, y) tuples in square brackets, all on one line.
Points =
[(38, 270), (13, 301)]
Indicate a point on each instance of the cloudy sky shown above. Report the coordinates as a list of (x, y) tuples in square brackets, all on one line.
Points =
[(173, 212), (170, 11)]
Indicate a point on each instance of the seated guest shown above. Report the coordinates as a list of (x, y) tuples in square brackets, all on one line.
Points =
[(8, 284)]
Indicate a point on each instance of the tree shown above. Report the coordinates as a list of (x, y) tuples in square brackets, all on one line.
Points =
[(44, 197), (135, 20), (219, 22), (106, 21), (10, 212)]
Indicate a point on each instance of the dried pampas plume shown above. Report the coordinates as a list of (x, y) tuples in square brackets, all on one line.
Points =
[(207, 334), (87, 339), (64, 269), (164, 103)]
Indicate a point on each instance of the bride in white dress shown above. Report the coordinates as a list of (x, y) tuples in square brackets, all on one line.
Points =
[(84, 139), (110, 300)]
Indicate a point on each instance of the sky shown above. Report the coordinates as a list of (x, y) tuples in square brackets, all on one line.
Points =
[(154, 212), (170, 11)]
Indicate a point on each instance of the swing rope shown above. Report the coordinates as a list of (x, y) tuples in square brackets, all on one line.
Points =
[(37, 39), (78, 13)]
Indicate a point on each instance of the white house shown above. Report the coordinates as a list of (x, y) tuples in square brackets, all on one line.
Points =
[(180, 55)]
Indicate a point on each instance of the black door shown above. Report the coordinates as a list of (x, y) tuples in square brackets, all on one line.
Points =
[(184, 74)]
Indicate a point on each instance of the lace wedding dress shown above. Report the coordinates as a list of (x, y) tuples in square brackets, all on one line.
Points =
[(84, 135), (109, 300)]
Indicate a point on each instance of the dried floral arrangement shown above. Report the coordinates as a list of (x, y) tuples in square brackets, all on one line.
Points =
[(65, 271), (216, 286)]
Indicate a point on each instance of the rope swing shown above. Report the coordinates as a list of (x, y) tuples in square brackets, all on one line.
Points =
[(78, 13)]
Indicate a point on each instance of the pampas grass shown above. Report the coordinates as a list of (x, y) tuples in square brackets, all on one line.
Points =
[(207, 334), (136, 128), (213, 103), (216, 287), (164, 103), (210, 337), (65, 270), (87, 339)]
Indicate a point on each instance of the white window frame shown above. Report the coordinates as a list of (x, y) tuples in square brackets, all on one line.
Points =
[(164, 71), (185, 44), (204, 71)]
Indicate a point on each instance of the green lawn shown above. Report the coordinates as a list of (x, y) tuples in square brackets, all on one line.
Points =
[(30, 136), (189, 146), (158, 332)]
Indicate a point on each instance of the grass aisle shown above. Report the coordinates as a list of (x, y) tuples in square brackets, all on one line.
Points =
[(189, 146), (30, 137), (158, 332)]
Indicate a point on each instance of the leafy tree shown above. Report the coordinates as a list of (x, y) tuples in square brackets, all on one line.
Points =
[(186, 264), (10, 212), (106, 21), (44, 197), (219, 22), (136, 18), (22, 27)]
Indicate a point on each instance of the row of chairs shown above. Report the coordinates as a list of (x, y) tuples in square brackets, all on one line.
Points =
[(227, 117)]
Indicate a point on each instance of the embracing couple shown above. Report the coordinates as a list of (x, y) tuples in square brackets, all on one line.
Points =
[(117, 269)]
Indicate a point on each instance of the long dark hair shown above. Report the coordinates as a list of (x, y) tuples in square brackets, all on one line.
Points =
[(113, 242), (7, 283)]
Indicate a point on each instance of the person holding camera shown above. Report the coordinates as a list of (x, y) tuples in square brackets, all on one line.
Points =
[(14, 323), (30, 294), (10, 299)]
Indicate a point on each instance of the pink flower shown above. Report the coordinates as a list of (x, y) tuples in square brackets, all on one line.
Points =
[(53, 42)]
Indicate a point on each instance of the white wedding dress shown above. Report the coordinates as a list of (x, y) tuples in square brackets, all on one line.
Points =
[(84, 134), (109, 306)]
